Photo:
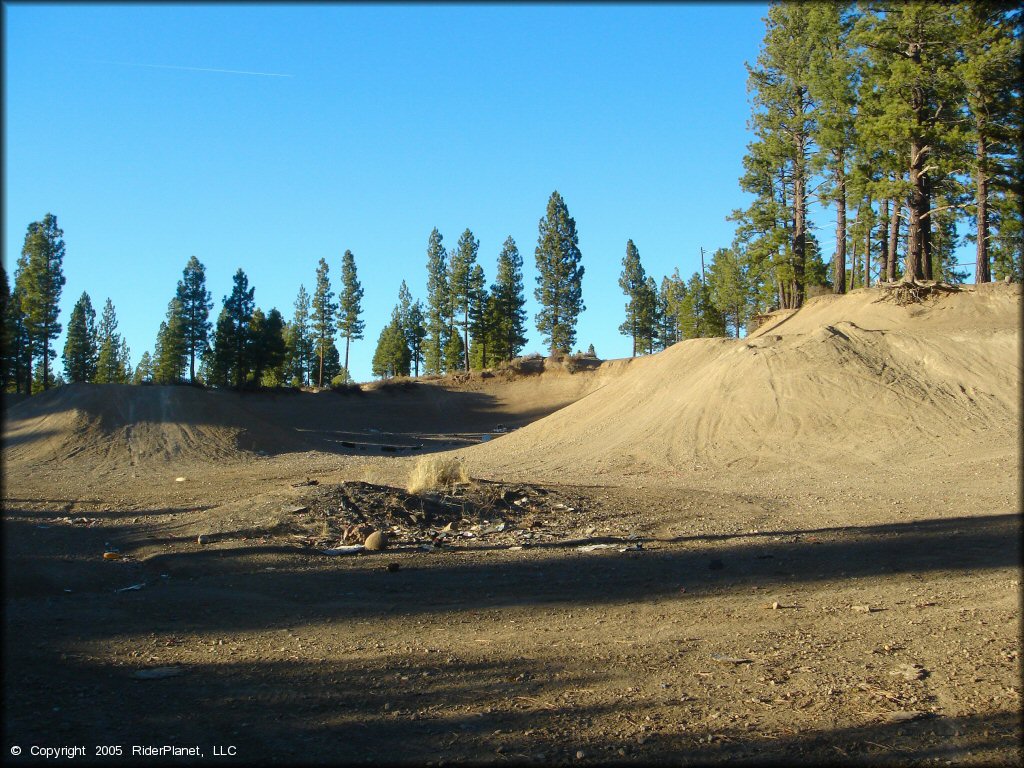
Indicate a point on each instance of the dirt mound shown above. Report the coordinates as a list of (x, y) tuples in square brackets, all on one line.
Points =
[(130, 425), (847, 382)]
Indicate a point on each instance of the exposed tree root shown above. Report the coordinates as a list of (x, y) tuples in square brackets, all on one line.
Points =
[(907, 292)]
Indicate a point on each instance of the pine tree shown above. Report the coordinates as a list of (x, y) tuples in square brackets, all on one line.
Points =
[(196, 303), (80, 346), (910, 51), (460, 283), (350, 306), (412, 322), (454, 353), (41, 279), (323, 312), (698, 315), (300, 341), (19, 351), (559, 276), (267, 348), (633, 282), (783, 120), (331, 362), (832, 84), (125, 361), (649, 316), (111, 367), (438, 302), (221, 355), (479, 319), (508, 328), (144, 371), (169, 360), (5, 333), (239, 306), (670, 294), (729, 289), (391, 357)]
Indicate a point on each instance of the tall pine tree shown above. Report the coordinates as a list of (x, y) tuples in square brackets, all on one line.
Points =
[(324, 309), (438, 303), (80, 346), (196, 303), (559, 276), (41, 280), (350, 303)]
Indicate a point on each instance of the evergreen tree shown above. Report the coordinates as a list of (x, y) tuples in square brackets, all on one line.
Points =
[(670, 294), (412, 322), (460, 283), (221, 357), (729, 289), (783, 121), (633, 282), (80, 346), (391, 358), (5, 332), (196, 303), (144, 371), (698, 315), (19, 351), (350, 303), (125, 361), (649, 316), (169, 360), (559, 276), (479, 318), (268, 351), (41, 279), (910, 58), (832, 85), (331, 362), (508, 328), (323, 311), (989, 71), (438, 302), (454, 353), (239, 307), (300, 341), (111, 368)]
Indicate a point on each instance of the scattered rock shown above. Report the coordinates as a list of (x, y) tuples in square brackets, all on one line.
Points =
[(392, 567), (203, 539), (910, 672), (157, 673), (580, 754), (111, 555), (730, 659), (376, 541), (179, 479), (906, 716)]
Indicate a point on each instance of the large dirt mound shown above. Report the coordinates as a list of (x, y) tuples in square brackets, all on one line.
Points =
[(130, 425), (847, 382)]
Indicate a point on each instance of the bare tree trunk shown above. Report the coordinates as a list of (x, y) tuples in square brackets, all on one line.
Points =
[(894, 236), (867, 244), (982, 272), (839, 259), (915, 244), (883, 239), (926, 227), (799, 221)]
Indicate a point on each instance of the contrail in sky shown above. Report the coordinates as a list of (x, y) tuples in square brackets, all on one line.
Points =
[(203, 69)]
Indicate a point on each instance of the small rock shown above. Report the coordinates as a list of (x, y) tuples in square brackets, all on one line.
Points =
[(392, 567), (179, 479), (376, 541), (580, 754), (203, 539), (452, 526), (911, 672), (775, 606)]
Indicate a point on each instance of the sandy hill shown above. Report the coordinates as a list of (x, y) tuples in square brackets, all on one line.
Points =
[(131, 425), (119, 425), (847, 382)]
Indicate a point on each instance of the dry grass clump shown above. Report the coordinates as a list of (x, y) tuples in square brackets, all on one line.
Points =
[(433, 473)]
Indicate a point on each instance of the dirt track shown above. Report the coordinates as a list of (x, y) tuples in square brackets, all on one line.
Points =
[(722, 612)]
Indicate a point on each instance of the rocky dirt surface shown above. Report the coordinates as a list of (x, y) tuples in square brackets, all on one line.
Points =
[(586, 624)]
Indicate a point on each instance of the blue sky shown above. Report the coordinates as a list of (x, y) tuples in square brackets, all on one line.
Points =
[(393, 119)]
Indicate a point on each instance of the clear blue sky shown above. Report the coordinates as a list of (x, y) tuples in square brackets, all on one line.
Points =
[(392, 120)]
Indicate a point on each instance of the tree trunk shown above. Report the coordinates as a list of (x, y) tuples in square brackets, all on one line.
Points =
[(883, 239), (465, 337), (867, 243), (915, 243), (839, 260), (982, 273), (926, 227), (347, 340), (894, 236), (853, 263), (321, 380), (799, 221)]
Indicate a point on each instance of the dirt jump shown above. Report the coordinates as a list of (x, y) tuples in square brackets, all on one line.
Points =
[(798, 547)]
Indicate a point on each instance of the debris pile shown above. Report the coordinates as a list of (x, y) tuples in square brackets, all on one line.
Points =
[(341, 516)]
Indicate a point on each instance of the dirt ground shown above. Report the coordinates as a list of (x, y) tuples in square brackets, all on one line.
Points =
[(795, 611)]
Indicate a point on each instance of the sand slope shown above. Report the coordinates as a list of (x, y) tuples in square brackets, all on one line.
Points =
[(849, 380)]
